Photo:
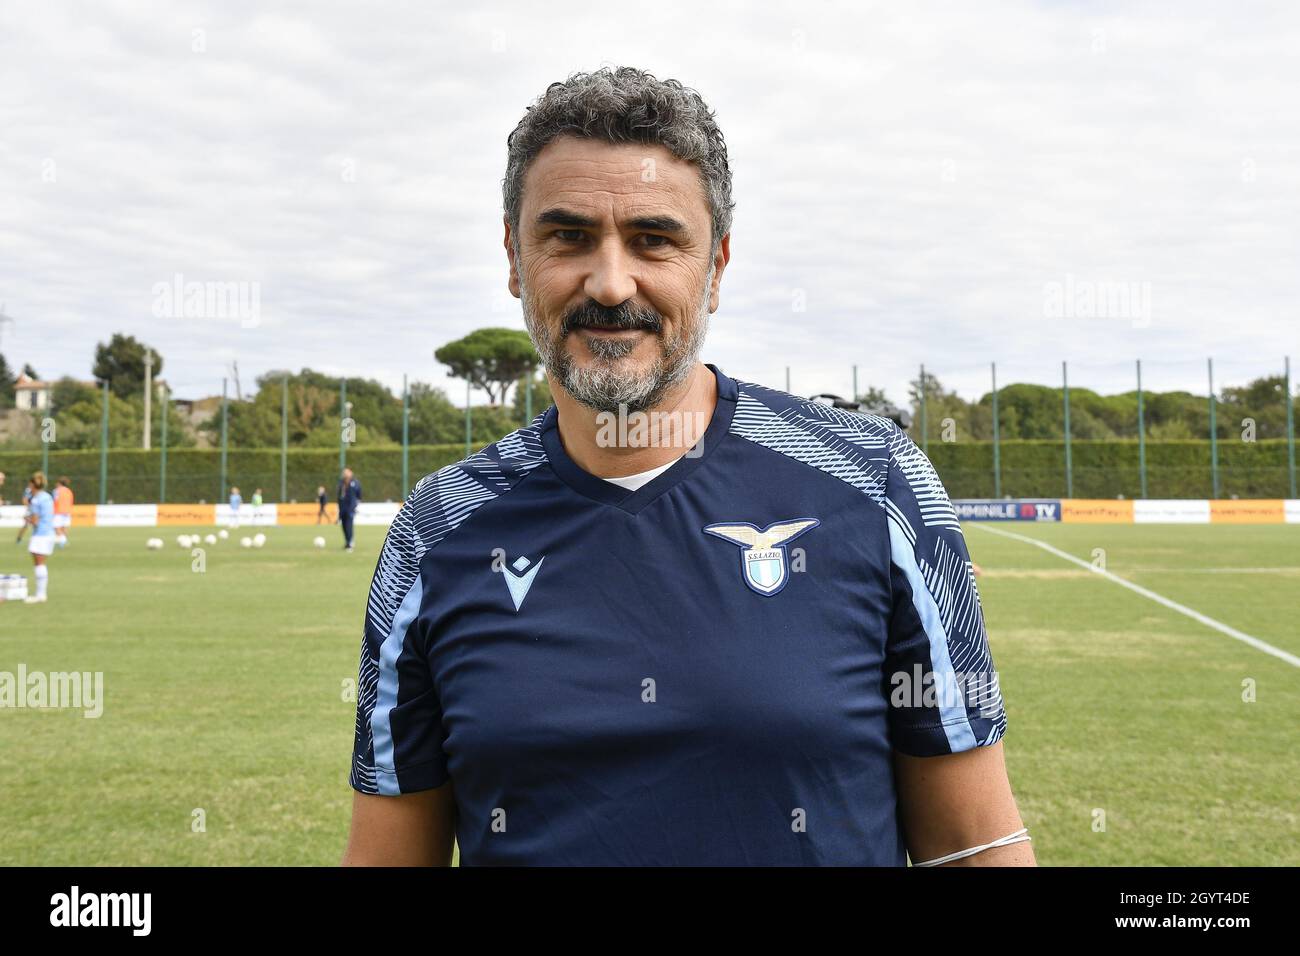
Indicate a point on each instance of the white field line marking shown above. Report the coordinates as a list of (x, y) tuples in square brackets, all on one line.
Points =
[(1151, 570), (1281, 570), (1159, 599)]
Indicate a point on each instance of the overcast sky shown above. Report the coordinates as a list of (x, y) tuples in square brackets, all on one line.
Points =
[(937, 183)]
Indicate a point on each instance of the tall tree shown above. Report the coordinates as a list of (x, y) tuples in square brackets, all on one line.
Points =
[(1262, 400), (873, 398), (314, 413), (541, 396), (940, 406), (7, 379), (120, 362), (490, 359)]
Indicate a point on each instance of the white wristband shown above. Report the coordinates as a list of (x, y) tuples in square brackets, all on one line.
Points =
[(1007, 840)]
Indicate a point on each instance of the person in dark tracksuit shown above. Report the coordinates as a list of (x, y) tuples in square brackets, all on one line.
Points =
[(349, 498)]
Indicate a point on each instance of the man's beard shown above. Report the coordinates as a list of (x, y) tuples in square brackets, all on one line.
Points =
[(604, 384)]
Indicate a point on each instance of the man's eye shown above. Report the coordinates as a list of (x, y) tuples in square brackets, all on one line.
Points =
[(663, 240), (569, 235)]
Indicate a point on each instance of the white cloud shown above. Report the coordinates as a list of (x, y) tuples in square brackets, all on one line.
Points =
[(922, 173)]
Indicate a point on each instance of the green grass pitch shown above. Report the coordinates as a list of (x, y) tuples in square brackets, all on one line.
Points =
[(228, 692)]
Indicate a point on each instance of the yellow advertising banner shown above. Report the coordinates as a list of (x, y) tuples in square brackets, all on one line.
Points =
[(1097, 510), (1257, 511), (187, 514), (83, 515)]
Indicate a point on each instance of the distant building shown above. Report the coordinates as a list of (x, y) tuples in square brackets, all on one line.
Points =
[(194, 412), (31, 395)]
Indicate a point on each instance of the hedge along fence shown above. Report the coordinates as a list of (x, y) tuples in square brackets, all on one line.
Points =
[(1030, 469), (1110, 468), (194, 474)]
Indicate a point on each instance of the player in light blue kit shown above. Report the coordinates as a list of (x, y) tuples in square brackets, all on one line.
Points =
[(27, 507), (40, 515), (235, 502)]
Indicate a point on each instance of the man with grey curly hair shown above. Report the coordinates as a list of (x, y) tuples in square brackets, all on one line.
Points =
[(627, 330), (595, 642)]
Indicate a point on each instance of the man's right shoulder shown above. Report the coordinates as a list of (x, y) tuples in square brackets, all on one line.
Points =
[(445, 499)]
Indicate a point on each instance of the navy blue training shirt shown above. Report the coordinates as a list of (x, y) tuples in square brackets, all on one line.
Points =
[(712, 669), (349, 496)]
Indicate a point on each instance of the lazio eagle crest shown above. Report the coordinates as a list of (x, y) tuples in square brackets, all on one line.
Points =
[(762, 552)]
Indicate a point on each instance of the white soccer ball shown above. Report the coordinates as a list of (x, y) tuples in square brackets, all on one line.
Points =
[(318, 541), (245, 542), (210, 539), (183, 540), (154, 544), (259, 539), (223, 534)]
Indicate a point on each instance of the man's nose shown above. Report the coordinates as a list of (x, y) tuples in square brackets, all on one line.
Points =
[(610, 281)]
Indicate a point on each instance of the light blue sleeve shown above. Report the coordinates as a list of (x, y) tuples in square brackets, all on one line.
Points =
[(937, 629)]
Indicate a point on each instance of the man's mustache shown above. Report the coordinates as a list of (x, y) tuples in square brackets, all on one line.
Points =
[(620, 317)]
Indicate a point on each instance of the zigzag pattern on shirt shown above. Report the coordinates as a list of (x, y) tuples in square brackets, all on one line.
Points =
[(949, 579), (853, 448), (931, 498), (439, 503)]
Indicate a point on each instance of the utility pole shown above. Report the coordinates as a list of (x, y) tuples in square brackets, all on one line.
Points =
[(1142, 435), (1214, 433), (406, 439), (162, 467), (224, 436), (103, 449), (1290, 424), (997, 456), (284, 439), (925, 446), (343, 424), (148, 396)]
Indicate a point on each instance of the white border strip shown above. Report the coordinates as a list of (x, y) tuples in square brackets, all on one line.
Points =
[(126, 516), (262, 516), (1171, 511), (1172, 605)]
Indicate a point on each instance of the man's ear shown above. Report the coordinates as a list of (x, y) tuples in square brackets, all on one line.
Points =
[(720, 260), (513, 282)]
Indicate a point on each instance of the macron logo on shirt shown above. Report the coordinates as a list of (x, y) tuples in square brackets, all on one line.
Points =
[(521, 578)]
